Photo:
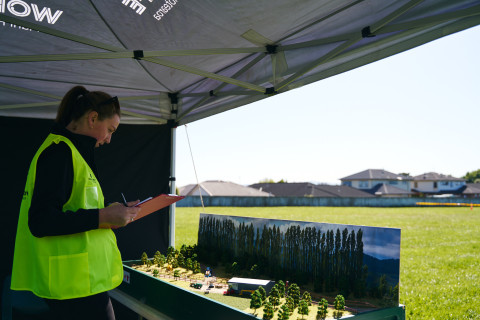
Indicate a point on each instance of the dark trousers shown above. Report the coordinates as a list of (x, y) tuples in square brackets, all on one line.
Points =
[(96, 307)]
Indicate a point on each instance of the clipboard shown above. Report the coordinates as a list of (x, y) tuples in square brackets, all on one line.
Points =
[(151, 205)]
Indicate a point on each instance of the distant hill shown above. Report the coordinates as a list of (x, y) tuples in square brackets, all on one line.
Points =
[(378, 267)]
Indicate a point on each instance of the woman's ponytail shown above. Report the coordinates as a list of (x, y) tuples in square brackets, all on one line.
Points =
[(78, 101)]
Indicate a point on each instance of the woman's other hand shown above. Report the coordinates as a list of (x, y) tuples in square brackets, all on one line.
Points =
[(117, 214)]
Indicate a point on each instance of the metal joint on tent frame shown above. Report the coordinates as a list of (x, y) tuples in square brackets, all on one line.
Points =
[(270, 91), (366, 33), (174, 101), (138, 54), (211, 93), (172, 124), (172, 179), (271, 48)]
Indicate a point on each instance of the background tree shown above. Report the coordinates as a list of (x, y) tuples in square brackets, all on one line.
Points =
[(339, 306), (382, 286), (294, 292), (254, 271), (472, 177), (268, 311), (235, 268), (255, 301), (303, 308), (322, 309)]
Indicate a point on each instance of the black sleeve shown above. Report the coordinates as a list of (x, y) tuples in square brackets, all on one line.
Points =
[(53, 186)]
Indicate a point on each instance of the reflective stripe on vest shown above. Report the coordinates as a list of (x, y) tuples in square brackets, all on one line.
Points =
[(70, 266)]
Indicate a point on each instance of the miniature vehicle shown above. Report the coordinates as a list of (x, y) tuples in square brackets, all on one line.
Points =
[(196, 285)]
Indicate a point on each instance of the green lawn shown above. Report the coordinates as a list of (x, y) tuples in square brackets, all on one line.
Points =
[(440, 250)]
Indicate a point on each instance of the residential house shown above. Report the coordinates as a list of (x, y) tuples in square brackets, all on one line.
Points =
[(220, 188), (307, 189), (472, 190), (380, 182), (432, 183)]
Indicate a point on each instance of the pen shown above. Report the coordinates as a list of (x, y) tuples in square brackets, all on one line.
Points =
[(124, 200)]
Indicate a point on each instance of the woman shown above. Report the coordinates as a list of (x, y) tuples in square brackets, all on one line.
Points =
[(65, 250)]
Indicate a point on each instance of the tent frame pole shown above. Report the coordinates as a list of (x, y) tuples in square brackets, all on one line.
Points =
[(173, 147)]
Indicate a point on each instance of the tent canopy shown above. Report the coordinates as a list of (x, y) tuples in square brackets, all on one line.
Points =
[(181, 61)]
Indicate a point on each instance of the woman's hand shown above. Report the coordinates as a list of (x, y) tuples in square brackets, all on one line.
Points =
[(117, 214)]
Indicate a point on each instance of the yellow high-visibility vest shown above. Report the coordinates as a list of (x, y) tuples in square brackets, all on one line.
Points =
[(69, 266)]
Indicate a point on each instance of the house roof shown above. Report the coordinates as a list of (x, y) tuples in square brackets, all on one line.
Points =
[(386, 189), (376, 174), (222, 188), (307, 189), (343, 191), (295, 189), (433, 176), (472, 188)]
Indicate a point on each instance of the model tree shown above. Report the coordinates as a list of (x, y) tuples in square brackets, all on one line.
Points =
[(290, 304), (303, 308), (181, 260), (255, 301), (171, 255), (235, 268), (284, 312), (156, 257), (268, 311), (155, 273), (274, 296), (161, 261), (144, 258), (281, 288), (307, 297), (263, 293), (294, 292), (196, 267), (322, 309), (188, 264), (176, 274), (339, 306)]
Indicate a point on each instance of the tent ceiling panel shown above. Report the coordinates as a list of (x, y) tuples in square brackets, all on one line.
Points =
[(183, 61)]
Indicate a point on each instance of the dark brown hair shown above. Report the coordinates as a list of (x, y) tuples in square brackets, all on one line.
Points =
[(78, 101)]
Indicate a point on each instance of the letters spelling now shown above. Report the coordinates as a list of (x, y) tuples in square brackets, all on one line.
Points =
[(20, 8)]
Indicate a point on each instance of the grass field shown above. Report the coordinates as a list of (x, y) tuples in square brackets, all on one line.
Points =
[(440, 250)]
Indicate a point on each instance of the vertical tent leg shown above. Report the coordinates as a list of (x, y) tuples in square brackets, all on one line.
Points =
[(171, 240)]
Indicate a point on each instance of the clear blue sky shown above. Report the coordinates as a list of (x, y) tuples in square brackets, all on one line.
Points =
[(415, 112)]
